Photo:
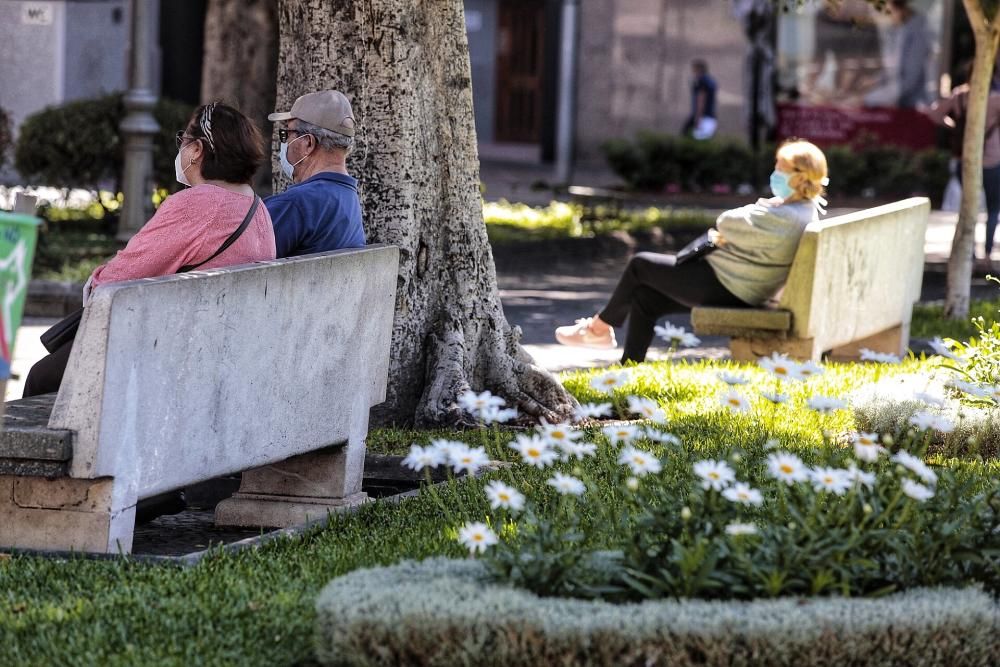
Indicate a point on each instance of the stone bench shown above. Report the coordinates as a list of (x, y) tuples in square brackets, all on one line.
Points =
[(852, 285), (269, 368)]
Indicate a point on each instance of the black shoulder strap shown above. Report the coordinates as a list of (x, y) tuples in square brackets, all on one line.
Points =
[(229, 241)]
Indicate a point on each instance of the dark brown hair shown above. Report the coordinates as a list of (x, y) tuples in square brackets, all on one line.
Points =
[(233, 147)]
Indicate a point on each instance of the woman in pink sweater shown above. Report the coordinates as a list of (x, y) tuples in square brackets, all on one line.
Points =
[(217, 155)]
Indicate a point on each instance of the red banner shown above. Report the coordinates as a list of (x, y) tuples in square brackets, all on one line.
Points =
[(826, 126)]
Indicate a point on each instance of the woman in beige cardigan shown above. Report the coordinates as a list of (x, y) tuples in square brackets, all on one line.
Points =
[(755, 247)]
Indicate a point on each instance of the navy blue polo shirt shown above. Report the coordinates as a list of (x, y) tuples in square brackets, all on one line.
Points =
[(321, 213)]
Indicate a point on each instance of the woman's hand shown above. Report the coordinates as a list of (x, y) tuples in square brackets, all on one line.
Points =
[(715, 236)]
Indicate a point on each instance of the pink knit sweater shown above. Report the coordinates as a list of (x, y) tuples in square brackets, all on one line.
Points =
[(188, 228)]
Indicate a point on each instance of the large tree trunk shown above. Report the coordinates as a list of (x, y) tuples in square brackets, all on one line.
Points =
[(241, 61), (404, 64), (987, 33)]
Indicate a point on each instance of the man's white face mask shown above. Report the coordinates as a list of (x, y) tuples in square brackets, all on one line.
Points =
[(287, 167)]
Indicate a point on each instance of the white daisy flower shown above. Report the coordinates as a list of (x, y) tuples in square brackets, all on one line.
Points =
[(502, 495), (880, 357), (967, 387), (736, 528), (609, 381), (825, 404), (787, 468), (743, 494), (424, 457), (775, 397), (621, 433), (916, 466), (860, 477), (645, 407), (715, 475), (468, 459), (811, 369), (566, 484), (929, 399), (446, 447), (943, 349), (577, 450), (735, 401), (641, 462), (535, 450), (732, 379), (557, 434), (928, 421), (992, 391), (657, 435), (831, 480), (676, 335), (477, 537), (866, 446), (592, 410), (475, 404), (781, 367), (497, 415), (917, 491)]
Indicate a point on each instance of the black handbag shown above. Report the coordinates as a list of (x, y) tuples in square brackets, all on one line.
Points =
[(64, 331), (697, 249)]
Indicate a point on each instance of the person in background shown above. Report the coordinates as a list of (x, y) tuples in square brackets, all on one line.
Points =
[(906, 50), (217, 155), (701, 124), (756, 245), (320, 211), (950, 112)]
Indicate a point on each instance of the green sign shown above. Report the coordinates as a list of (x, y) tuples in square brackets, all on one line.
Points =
[(18, 234)]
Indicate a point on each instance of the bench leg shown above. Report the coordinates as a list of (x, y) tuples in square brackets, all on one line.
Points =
[(891, 341), (752, 349), (297, 490), (63, 514)]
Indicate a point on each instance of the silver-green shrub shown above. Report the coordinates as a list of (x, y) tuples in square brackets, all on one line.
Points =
[(446, 612)]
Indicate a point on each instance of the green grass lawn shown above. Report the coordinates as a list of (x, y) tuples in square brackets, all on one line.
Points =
[(929, 320), (256, 607)]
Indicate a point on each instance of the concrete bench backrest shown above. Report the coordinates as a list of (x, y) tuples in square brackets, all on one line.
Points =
[(178, 379), (858, 274)]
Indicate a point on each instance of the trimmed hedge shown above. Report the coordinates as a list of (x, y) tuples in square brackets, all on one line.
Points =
[(654, 161), (79, 144), (445, 612)]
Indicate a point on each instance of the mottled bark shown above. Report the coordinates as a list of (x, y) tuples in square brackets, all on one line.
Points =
[(241, 60), (987, 33), (404, 64)]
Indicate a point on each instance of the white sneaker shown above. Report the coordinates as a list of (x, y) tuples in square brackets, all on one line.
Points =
[(581, 335)]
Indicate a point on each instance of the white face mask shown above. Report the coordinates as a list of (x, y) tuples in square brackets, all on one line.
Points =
[(287, 167), (179, 172)]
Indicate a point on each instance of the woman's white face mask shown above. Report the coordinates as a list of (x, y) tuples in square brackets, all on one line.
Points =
[(179, 172)]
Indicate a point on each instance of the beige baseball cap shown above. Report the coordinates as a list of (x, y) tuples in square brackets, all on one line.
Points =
[(328, 109)]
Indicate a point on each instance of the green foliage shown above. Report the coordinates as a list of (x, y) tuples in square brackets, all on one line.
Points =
[(6, 136), (256, 607), (445, 612), (506, 222), (79, 144), (656, 161), (929, 320)]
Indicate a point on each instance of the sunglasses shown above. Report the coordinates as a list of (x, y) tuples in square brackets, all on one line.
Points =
[(180, 137), (283, 134)]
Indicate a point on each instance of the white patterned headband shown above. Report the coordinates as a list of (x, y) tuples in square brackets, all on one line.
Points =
[(206, 124)]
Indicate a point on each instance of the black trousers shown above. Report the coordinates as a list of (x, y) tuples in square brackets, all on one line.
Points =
[(47, 374), (654, 285)]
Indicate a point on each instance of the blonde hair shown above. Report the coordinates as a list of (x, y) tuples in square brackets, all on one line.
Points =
[(808, 165)]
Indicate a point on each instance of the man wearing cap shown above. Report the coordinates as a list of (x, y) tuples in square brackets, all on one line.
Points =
[(320, 211)]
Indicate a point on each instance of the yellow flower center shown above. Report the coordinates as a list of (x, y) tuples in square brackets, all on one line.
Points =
[(713, 475), (558, 435), (504, 496), (477, 538), (743, 495), (734, 402), (787, 469), (780, 370), (534, 453)]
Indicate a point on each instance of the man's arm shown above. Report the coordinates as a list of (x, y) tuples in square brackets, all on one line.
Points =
[(287, 221)]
